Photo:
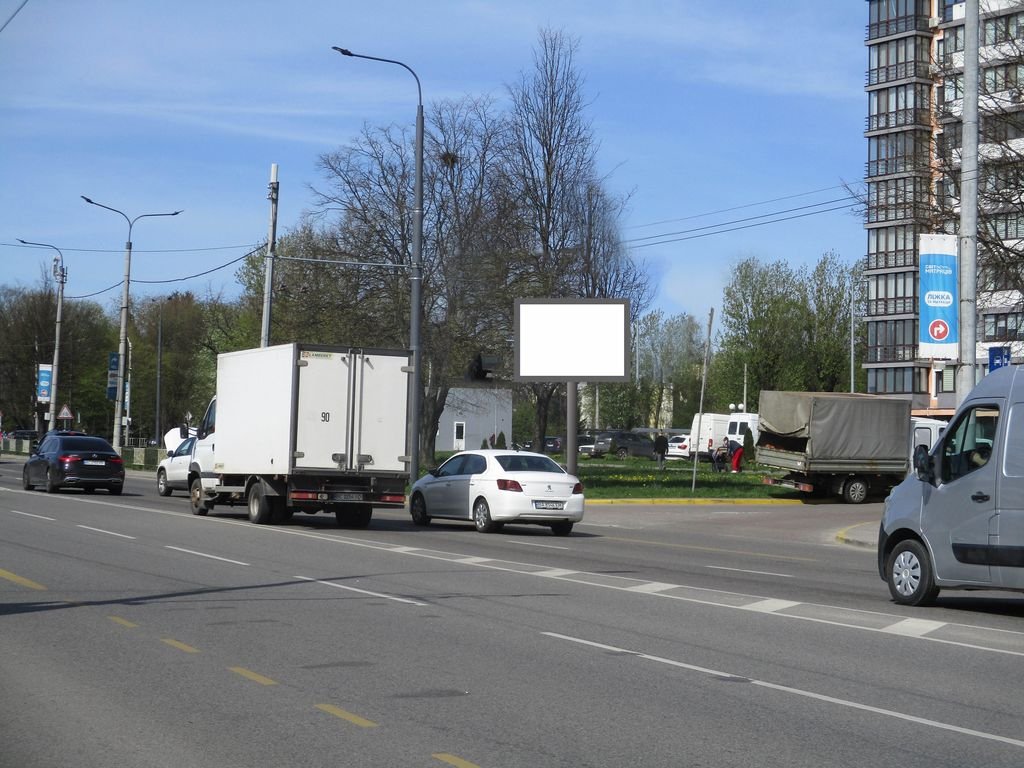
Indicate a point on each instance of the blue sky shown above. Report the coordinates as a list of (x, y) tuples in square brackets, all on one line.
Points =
[(151, 107)]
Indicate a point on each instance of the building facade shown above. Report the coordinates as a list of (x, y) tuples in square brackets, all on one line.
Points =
[(914, 86)]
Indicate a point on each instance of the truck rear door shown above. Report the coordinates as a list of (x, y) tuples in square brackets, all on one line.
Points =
[(323, 410)]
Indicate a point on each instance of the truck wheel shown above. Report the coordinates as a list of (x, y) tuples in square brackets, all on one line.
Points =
[(197, 498), (161, 484), (482, 517), (261, 511), (353, 515), (855, 491), (418, 510), (908, 572)]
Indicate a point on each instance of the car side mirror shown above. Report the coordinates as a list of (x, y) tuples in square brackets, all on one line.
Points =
[(923, 463)]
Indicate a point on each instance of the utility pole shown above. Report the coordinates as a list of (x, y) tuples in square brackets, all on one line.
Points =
[(966, 373), (268, 271), (695, 440)]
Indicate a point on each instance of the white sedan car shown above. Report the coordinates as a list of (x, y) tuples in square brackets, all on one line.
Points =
[(172, 472), (494, 487)]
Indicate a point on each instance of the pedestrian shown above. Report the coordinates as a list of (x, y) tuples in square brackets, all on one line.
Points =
[(660, 449), (735, 455)]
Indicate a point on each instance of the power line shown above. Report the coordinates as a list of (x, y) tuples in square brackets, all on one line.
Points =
[(136, 251), (745, 226), (171, 280), (737, 207), (738, 221)]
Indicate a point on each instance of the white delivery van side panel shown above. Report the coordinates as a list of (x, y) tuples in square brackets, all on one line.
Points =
[(324, 410), (381, 416), (254, 411)]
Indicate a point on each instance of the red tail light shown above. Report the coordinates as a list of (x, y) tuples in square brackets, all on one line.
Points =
[(69, 459), (115, 460), (578, 488), (509, 485)]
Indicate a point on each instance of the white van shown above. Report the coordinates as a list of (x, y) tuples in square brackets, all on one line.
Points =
[(958, 521), (708, 434), (740, 423)]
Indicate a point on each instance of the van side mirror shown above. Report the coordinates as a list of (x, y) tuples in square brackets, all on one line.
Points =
[(183, 431), (923, 463)]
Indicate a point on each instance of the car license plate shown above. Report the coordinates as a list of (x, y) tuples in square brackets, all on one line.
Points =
[(94, 463), (548, 505)]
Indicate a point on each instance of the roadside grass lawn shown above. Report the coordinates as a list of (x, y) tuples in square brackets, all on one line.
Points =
[(635, 478)]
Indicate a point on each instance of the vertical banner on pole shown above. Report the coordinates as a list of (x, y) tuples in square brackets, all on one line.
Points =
[(112, 376), (939, 303), (44, 383)]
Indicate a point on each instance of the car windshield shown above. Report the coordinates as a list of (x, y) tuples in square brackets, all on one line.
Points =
[(517, 462), (85, 444)]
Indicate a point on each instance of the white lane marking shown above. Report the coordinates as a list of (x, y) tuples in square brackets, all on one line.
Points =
[(914, 627), (204, 554), (795, 691), (109, 533), (29, 514), (532, 544), (652, 586), (363, 591), (743, 570), (554, 573), (499, 565), (404, 549), (769, 606)]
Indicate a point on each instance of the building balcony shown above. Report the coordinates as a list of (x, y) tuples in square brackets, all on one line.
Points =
[(906, 71), (897, 26), (892, 165), (906, 305), (892, 353), (889, 260), (901, 118)]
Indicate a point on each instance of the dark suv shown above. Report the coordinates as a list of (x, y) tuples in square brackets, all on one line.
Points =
[(623, 444)]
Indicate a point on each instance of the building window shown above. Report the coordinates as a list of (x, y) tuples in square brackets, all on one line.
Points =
[(945, 380), (1002, 29), (897, 381), (891, 341), (1004, 326)]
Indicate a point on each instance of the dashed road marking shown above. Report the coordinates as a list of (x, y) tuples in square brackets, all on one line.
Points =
[(350, 717)]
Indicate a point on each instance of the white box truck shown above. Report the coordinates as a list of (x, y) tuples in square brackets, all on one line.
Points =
[(304, 428)]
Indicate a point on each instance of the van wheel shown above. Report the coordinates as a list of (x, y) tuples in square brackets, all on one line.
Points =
[(261, 511), (161, 484), (855, 491), (197, 498), (909, 574)]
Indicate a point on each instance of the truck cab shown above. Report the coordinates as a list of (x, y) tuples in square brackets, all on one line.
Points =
[(957, 522)]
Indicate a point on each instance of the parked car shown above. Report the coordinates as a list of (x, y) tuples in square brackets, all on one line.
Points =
[(585, 445), (172, 472), (552, 444), (74, 461), (493, 487), (678, 447), (623, 444), (23, 434), (594, 445)]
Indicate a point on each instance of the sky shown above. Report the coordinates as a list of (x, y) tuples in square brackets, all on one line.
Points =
[(709, 117)]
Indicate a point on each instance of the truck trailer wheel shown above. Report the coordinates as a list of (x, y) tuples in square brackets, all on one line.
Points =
[(855, 491), (261, 510), (908, 572), (197, 497)]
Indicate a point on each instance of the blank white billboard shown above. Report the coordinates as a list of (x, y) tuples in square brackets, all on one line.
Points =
[(572, 339)]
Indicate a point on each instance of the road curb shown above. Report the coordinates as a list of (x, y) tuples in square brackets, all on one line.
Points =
[(694, 501), (852, 536)]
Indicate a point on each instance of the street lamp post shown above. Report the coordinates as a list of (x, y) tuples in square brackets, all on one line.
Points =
[(123, 343), (416, 273), (60, 274)]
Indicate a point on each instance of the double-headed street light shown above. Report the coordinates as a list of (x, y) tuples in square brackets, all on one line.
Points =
[(60, 274), (416, 273), (122, 345)]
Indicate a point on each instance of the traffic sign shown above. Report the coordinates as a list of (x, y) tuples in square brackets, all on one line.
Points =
[(65, 413)]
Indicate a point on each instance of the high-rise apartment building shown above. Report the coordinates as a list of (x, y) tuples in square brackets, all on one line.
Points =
[(915, 88)]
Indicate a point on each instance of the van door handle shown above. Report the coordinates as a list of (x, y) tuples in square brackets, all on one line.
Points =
[(979, 497)]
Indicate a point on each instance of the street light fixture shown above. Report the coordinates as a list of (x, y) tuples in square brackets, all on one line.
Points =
[(60, 274), (416, 274), (119, 400)]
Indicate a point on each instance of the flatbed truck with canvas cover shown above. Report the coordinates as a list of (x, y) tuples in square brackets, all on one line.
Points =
[(847, 444), (304, 428)]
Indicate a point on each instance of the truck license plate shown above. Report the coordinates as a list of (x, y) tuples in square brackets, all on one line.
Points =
[(548, 505), (348, 496)]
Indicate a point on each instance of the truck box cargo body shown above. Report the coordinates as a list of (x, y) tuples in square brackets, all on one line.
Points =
[(849, 444), (304, 428)]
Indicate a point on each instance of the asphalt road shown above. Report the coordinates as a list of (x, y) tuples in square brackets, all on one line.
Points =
[(134, 634)]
